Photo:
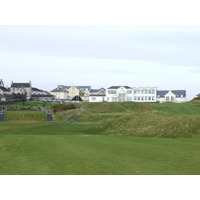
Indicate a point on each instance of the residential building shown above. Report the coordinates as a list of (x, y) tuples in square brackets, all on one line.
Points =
[(4, 92), (119, 94), (144, 94), (177, 96), (126, 93), (39, 95), (1, 83), (61, 92), (69, 92), (97, 95), (22, 88)]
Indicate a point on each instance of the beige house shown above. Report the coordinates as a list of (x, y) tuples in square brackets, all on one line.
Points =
[(69, 92)]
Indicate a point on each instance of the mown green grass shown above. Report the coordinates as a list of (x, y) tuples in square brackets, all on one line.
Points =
[(103, 139), (97, 154)]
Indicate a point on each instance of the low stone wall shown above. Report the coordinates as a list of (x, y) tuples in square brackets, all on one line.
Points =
[(10, 102)]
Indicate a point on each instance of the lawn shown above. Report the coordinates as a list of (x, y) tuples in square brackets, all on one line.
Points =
[(35, 146)]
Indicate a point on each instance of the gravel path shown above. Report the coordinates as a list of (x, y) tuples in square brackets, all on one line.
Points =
[(2, 114), (70, 118)]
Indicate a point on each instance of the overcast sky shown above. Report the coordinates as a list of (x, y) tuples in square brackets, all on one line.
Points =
[(102, 56)]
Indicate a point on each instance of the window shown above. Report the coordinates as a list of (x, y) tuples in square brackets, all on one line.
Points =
[(135, 98), (93, 98), (153, 91), (114, 98), (167, 98), (138, 98), (112, 92), (172, 98), (129, 98), (135, 91), (129, 91)]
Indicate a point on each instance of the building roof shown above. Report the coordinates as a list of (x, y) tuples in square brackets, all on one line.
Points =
[(96, 90), (36, 89), (58, 89), (83, 87), (116, 87), (42, 95), (178, 93), (99, 95), (3, 89), (1, 83), (63, 88), (17, 85), (198, 95)]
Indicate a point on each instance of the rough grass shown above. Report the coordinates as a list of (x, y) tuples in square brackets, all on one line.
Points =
[(149, 124), (129, 118), (25, 116)]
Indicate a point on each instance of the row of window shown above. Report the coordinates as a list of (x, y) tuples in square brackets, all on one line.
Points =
[(145, 98), (135, 91)]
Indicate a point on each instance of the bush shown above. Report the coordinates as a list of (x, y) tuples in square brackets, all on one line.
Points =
[(62, 107)]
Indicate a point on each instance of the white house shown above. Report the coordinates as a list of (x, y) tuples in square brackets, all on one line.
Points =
[(3, 93), (119, 94), (144, 94), (21, 88), (97, 95), (177, 96), (126, 93)]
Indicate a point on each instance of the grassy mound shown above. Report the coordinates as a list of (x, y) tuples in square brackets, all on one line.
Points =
[(150, 124)]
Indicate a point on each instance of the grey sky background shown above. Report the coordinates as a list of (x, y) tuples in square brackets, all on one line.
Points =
[(101, 56)]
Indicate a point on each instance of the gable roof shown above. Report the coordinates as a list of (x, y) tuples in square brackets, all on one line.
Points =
[(17, 85), (3, 89), (96, 90), (1, 83), (116, 87), (63, 88), (83, 87), (58, 89), (178, 93)]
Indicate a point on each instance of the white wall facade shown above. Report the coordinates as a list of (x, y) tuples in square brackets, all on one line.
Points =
[(119, 94), (171, 97), (97, 98), (22, 90), (142, 94), (145, 94)]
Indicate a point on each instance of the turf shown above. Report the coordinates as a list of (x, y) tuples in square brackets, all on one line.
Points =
[(31, 145)]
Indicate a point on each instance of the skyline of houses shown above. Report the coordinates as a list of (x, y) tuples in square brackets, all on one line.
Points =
[(88, 94)]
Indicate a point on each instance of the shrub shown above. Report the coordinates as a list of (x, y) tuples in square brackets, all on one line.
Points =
[(62, 107)]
